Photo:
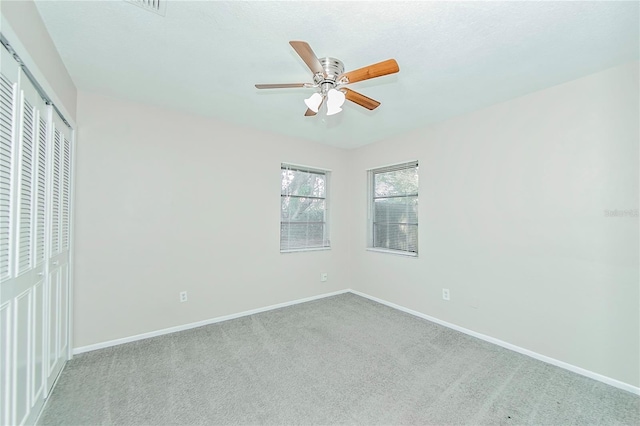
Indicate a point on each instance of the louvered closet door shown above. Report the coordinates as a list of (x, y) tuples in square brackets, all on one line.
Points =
[(59, 245), (9, 75), (23, 285), (31, 238), (26, 130)]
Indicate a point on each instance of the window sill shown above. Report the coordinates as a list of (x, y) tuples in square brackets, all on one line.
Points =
[(396, 252), (303, 250)]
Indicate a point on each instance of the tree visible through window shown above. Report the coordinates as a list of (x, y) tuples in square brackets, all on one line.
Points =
[(303, 209), (394, 208)]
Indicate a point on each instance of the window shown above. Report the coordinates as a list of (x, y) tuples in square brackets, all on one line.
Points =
[(303, 209), (393, 211)]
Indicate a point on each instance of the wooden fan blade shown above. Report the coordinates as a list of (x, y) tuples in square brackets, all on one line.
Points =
[(360, 99), (390, 66), (279, 86), (306, 53)]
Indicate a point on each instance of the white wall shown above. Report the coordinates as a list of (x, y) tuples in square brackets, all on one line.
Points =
[(169, 202), (28, 30), (512, 221)]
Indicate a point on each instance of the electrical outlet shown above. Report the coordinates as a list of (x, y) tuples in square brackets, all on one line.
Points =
[(183, 296), (324, 276), (445, 294)]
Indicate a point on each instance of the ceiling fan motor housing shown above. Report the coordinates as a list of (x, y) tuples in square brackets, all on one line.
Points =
[(333, 68)]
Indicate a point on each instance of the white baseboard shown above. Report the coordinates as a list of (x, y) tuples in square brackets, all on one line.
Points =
[(169, 330), (599, 377)]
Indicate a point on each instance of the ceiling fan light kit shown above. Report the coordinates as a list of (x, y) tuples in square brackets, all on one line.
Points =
[(329, 80), (313, 102), (335, 100)]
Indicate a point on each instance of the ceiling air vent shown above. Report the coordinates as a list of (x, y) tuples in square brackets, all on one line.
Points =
[(157, 6)]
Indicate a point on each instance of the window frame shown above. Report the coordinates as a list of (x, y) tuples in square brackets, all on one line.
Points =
[(326, 240), (371, 198)]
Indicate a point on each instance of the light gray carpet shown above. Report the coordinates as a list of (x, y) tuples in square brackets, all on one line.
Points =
[(339, 360)]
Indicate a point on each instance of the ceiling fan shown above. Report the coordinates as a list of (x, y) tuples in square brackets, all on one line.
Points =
[(329, 80)]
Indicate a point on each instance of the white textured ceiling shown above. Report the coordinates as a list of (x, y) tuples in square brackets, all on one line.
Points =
[(205, 56)]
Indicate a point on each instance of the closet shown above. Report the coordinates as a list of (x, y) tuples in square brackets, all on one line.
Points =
[(35, 243)]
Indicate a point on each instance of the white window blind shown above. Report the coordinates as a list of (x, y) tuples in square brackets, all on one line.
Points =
[(393, 196), (303, 208)]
